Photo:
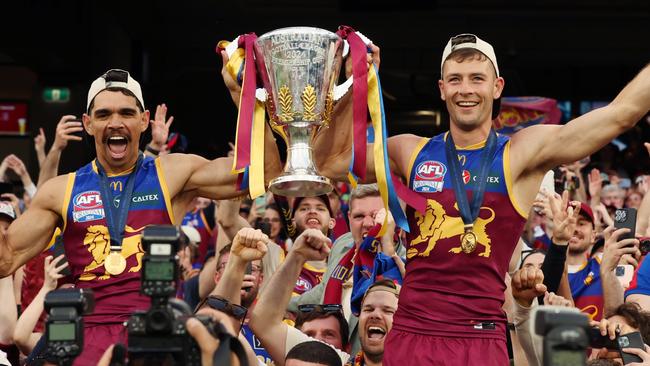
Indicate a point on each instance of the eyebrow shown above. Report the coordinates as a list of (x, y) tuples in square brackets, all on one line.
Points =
[(123, 110)]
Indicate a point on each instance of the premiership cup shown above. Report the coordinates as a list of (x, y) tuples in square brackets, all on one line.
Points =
[(299, 67)]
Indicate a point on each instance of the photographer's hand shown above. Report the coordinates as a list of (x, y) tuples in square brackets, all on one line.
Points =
[(52, 272), (615, 249), (65, 131), (527, 284)]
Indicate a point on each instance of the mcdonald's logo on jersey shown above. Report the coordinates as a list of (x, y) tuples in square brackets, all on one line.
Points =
[(116, 185)]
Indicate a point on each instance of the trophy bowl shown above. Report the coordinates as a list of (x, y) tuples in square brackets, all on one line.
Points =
[(299, 67)]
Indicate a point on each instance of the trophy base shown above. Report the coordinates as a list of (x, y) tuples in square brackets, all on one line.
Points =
[(300, 185)]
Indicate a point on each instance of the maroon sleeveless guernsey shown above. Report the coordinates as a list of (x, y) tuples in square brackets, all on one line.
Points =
[(447, 292), (87, 242)]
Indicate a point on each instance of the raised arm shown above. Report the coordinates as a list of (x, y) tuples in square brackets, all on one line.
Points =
[(39, 146), (229, 219), (266, 321), (65, 130), (544, 146), (8, 313), (24, 336), (159, 130), (612, 253), (30, 233)]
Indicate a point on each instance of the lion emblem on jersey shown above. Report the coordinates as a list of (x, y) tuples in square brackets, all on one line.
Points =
[(436, 224), (97, 243)]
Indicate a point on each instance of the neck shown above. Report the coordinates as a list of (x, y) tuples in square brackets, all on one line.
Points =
[(576, 259), (465, 137), (368, 362)]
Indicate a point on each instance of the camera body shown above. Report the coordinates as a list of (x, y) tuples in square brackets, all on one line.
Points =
[(64, 329), (159, 333), (565, 332)]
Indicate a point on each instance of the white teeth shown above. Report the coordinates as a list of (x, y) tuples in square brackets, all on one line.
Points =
[(376, 329), (467, 104)]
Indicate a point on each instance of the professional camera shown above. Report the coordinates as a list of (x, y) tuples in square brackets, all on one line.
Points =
[(159, 333), (565, 332), (64, 328)]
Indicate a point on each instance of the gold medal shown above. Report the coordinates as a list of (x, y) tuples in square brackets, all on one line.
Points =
[(468, 241), (115, 263)]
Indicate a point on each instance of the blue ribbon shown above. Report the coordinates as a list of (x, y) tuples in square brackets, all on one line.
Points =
[(467, 212), (116, 216)]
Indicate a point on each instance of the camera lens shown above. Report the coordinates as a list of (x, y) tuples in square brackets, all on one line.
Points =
[(159, 321)]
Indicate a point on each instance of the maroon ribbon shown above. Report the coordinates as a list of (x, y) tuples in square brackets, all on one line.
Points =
[(411, 197), (247, 102), (358, 53)]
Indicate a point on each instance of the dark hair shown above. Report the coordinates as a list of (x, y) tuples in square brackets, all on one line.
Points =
[(534, 251), (226, 249), (124, 91), (470, 54), (303, 318), (635, 317), (316, 352)]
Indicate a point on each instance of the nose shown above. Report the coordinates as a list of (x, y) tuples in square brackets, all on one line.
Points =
[(368, 221), (114, 121), (466, 87)]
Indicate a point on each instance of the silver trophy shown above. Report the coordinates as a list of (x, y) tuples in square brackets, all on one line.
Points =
[(299, 67)]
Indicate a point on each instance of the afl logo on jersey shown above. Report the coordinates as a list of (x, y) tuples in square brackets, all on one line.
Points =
[(87, 207), (302, 286), (87, 200), (429, 176)]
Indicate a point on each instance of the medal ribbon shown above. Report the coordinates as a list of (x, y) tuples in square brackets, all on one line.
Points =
[(467, 212), (116, 217)]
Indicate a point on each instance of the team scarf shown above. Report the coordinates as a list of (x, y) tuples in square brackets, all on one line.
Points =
[(357, 360), (366, 264)]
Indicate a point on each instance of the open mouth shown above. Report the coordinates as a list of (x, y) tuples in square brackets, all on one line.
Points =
[(313, 222), (376, 333), (465, 104), (117, 146)]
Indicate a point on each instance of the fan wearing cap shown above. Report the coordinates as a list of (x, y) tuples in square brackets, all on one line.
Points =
[(453, 289), (312, 213), (103, 207)]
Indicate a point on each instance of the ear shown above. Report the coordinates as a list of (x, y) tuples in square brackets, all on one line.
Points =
[(144, 123), (85, 119), (331, 224), (441, 86), (499, 83)]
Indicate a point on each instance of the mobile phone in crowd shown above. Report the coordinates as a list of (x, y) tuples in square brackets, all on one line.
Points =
[(77, 133), (630, 340), (624, 273), (625, 218)]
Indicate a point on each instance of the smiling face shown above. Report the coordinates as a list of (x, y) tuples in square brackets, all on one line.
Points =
[(582, 237), (469, 86), (116, 123), (375, 321)]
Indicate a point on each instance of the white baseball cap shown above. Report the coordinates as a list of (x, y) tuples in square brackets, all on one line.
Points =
[(115, 78), (468, 40), (7, 209), (192, 234)]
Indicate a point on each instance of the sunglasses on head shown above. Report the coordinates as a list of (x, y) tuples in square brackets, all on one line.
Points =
[(220, 304), (321, 308)]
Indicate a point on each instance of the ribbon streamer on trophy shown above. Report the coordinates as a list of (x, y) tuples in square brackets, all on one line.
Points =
[(298, 67)]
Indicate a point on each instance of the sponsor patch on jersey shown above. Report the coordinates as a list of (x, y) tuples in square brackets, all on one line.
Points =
[(429, 176), (87, 206)]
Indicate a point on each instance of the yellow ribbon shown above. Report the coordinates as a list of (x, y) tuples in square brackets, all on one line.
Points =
[(256, 172), (378, 147)]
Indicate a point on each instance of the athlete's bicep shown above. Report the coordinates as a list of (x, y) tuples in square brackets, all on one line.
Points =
[(208, 178)]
